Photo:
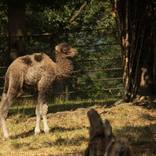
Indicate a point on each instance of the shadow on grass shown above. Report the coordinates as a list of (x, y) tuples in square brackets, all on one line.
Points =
[(60, 141), (23, 134), (142, 138), (149, 104), (52, 130), (63, 129), (53, 108), (70, 142)]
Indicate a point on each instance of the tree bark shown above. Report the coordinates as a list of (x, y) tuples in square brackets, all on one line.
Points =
[(102, 142), (96, 146), (138, 32)]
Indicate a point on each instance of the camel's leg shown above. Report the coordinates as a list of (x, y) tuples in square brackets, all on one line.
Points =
[(41, 111), (38, 119), (44, 111), (5, 104), (4, 128), (43, 87), (44, 116)]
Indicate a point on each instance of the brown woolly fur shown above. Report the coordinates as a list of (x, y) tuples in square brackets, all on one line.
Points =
[(27, 60), (38, 70), (38, 57)]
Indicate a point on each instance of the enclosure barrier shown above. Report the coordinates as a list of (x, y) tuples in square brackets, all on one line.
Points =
[(83, 79)]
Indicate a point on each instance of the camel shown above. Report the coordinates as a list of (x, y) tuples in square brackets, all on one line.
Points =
[(102, 141), (38, 70)]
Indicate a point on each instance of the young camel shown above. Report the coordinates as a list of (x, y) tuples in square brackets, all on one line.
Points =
[(102, 141), (37, 70)]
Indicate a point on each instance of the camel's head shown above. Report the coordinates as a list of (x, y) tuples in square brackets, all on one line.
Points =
[(65, 50)]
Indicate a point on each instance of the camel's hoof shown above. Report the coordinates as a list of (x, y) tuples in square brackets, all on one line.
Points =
[(46, 131), (37, 131), (5, 138)]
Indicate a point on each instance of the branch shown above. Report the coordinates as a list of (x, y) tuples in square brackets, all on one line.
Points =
[(77, 13)]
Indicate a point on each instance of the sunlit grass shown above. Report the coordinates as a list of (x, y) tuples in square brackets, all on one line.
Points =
[(69, 129)]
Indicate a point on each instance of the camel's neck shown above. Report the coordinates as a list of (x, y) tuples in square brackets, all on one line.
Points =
[(64, 67)]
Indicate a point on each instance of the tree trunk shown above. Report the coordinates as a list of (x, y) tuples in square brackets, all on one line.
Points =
[(138, 32), (102, 141), (16, 20)]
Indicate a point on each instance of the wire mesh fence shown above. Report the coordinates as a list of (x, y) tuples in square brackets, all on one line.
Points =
[(98, 67)]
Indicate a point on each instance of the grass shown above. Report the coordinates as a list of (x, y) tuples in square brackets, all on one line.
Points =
[(69, 128)]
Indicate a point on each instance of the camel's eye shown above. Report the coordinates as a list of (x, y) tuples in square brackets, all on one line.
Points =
[(65, 49)]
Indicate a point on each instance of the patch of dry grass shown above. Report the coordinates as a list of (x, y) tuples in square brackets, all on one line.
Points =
[(69, 131)]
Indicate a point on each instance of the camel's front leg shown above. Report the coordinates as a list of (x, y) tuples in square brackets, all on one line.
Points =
[(44, 112), (41, 110), (38, 119), (43, 87)]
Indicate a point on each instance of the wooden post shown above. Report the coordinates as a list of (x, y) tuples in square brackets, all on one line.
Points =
[(16, 26)]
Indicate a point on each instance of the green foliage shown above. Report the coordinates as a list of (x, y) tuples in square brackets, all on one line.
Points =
[(92, 32)]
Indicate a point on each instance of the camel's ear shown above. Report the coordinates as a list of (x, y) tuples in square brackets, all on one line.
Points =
[(107, 128), (57, 48), (62, 47)]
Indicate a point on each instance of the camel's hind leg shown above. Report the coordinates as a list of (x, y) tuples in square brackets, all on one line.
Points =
[(5, 104), (3, 114), (11, 88)]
